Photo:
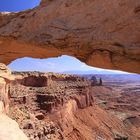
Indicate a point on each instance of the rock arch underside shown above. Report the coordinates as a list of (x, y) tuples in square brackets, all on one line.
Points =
[(100, 33)]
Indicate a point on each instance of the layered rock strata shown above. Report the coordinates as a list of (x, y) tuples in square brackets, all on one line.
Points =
[(61, 107)]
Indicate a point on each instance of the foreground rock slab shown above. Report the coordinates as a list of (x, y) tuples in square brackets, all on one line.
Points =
[(9, 129)]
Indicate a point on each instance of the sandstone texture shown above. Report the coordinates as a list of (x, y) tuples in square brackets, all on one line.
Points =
[(100, 33), (9, 129)]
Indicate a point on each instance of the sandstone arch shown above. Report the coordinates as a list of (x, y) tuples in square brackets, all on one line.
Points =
[(100, 33)]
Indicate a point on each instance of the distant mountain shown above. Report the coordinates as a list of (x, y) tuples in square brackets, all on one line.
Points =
[(93, 72)]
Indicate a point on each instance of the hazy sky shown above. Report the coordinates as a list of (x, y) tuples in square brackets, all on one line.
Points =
[(64, 63)]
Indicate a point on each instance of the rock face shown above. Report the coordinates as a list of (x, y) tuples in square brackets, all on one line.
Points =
[(9, 129), (5, 77), (100, 33), (57, 90)]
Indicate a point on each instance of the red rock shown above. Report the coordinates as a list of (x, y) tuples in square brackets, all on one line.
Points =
[(100, 33)]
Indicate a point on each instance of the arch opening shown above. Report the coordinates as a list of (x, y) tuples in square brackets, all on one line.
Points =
[(63, 64), (36, 71)]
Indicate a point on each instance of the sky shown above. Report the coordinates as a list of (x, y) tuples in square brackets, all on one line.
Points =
[(60, 64), (17, 5), (63, 64)]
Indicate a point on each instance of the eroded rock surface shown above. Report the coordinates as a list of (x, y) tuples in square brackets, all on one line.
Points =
[(63, 108), (100, 33), (9, 129)]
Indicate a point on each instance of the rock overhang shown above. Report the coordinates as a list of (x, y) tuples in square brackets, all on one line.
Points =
[(102, 34)]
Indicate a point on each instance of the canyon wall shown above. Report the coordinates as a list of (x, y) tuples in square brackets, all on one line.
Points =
[(100, 33), (63, 108)]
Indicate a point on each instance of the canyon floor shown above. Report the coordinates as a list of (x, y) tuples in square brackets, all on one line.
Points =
[(51, 106), (121, 97)]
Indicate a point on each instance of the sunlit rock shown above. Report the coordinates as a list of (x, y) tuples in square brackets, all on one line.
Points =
[(100, 33), (9, 129)]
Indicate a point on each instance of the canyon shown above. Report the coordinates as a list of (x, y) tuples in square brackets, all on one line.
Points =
[(66, 107), (100, 33)]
